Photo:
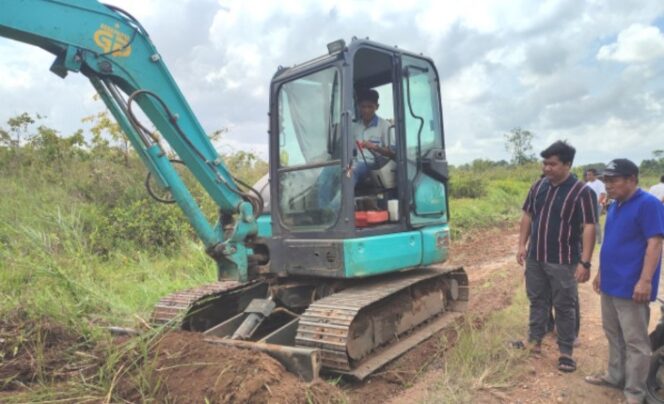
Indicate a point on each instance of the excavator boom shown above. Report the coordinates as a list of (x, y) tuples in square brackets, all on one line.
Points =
[(114, 51)]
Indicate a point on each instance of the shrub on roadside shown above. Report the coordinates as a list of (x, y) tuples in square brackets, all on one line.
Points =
[(467, 185), (142, 225)]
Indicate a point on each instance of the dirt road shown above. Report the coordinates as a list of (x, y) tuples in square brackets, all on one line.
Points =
[(542, 382), (410, 378)]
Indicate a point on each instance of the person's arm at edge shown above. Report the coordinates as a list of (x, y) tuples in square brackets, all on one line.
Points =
[(524, 235), (602, 199), (644, 285), (587, 247)]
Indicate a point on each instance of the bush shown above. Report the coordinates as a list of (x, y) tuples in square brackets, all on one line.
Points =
[(142, 225), (500, 205), (467, 185)]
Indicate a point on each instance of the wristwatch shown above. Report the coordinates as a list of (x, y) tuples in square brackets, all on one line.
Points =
[(585, 264)]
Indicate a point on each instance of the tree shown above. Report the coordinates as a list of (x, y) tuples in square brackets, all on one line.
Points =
[(18, 134), (55, 149), (18, 125), (103, 124), (519, 143), (653, 166)]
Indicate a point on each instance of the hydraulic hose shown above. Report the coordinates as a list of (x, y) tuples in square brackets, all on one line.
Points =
[(256, 201)]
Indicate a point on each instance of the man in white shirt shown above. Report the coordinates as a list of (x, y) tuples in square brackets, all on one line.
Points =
[(371, 133), (658, 189), (600, 191)]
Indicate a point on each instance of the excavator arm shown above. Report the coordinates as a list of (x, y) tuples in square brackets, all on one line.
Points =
[(115, 53)]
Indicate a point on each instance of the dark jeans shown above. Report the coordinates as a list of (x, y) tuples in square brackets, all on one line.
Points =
[(551, 325), (329, 189), (548, 283)]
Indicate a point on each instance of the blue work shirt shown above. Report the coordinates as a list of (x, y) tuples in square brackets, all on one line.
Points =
[(629, 225)]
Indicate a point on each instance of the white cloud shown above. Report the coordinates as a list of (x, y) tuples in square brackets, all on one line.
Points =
[(636, 44), (504, 64), (469, 85)]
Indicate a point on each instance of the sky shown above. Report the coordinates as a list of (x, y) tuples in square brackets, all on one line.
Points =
[(586, 71)]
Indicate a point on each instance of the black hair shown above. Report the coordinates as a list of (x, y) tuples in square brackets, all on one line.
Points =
[(592, 170), (562, 149), (661, 178), (366, 94)]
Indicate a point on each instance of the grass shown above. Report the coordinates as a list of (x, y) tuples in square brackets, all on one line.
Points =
[(46, 257), (501, 205), (51, 271), (119, 372), (51, 277), (482, 358)]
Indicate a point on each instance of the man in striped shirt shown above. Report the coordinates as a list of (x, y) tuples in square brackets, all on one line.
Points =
[(556, 241)]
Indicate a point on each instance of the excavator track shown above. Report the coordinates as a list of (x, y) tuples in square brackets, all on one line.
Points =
[(363, 323), (200, 308)]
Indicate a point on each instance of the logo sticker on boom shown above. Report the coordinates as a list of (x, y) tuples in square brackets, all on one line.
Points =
[(112, 41)]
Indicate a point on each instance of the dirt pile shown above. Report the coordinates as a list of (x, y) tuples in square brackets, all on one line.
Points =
[(34, 350), (188, 369)]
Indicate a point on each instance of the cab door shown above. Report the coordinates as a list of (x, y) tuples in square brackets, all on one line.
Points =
[(426, 164)]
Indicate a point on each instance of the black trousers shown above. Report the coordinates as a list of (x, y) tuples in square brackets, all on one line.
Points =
[(550, 284)]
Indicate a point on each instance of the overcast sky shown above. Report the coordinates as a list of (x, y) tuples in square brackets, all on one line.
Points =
[(586, 71)]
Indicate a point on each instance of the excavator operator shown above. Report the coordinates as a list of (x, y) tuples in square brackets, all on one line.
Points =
[(371, 133), (373, 147)]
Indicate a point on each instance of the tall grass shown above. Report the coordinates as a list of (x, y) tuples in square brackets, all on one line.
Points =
[(52, 275), (503, 193), (47, 266), (482, 358)]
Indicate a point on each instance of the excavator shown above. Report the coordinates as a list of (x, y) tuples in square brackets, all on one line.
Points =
[(322, 272)]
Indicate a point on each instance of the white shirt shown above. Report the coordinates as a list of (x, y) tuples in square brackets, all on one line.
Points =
[(376, 132), (597, 186), (658, 190)]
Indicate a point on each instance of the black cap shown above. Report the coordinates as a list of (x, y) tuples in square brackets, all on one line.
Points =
[(621, 168)]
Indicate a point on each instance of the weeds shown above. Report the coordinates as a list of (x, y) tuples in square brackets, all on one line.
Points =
[(482, 359)]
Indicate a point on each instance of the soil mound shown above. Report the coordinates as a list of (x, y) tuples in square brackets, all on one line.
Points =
[(188, 369)]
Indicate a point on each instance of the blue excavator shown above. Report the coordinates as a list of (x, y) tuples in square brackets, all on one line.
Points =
[(319, 270)]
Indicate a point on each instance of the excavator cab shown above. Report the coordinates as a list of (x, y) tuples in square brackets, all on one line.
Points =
[(335, 223)]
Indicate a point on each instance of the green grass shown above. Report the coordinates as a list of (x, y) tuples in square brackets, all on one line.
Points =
[(482, 358), (46, 259), (501, 205), (76, 254)]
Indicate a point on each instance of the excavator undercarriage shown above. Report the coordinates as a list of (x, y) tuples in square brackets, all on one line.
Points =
[(346, 327)]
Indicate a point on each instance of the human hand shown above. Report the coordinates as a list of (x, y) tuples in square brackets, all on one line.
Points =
[(596, 283), (642, 291), (521, 255), (582, 274), (369, 145)]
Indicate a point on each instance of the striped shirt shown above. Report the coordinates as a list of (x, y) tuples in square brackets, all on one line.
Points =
[(558, 214)]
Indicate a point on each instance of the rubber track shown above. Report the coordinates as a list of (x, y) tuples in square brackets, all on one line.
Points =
[(177, 304), (326, 323)]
